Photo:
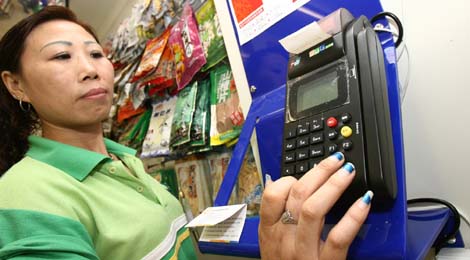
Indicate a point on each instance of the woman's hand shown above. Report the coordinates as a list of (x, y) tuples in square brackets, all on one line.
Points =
[(296, 234)]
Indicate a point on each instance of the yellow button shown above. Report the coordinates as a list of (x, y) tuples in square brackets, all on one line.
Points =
[(140, 189), (112, 169), (346, 131)]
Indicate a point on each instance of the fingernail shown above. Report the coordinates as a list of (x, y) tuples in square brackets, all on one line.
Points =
[(338, 155), (349, 167), (366, 199), (267, 179)]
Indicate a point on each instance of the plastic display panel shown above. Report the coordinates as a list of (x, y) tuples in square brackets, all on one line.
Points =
[(384, 235)]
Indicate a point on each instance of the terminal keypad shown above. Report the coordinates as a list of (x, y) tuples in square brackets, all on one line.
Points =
[(308, 141)]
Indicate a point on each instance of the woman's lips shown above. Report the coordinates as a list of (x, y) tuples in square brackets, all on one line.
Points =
[(95, 93)]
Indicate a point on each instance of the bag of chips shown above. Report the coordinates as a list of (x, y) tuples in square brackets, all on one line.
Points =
[(151, 56), (186, 48), (211, 34), (127, 111), (164, 76)]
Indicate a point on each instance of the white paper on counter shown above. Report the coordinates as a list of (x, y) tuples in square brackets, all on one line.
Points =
[(304, 38), (221, 224), (226, 231), (214, 215)]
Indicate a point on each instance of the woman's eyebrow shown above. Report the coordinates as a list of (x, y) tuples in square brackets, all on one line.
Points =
[(56, 42), (90, 42)]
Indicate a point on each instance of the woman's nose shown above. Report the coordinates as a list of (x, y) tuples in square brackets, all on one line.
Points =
[(88, 70)]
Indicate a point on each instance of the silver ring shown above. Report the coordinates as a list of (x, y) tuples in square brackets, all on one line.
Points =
[(287, 218)]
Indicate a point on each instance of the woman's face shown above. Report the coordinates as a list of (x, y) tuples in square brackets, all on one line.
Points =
[(65, 75)]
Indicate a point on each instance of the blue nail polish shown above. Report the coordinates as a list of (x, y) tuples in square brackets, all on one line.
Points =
[(338, 156), (349, 167), (367, 198), (268, 178)]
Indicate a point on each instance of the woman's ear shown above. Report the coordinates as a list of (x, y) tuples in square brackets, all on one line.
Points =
[(13, 84)]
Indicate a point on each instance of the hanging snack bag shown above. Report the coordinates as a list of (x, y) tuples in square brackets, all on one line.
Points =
[(183, 118), (249, 184), (211, 34), (151, 56), (192, 175), (201, 122), (157, 140), (127, 111), (186, 47), (226, 114), (218, 163), (136, 135), (163, 76)]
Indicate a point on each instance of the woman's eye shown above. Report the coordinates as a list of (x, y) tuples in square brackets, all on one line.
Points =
[(96, 55), (62, 56)]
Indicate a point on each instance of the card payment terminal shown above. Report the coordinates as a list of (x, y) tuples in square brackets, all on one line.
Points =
[(337, 100)]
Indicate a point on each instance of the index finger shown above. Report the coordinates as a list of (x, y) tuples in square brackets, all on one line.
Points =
[(342, 235), (312, 181)]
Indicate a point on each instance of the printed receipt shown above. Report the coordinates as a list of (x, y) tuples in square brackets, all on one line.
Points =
[(221, 224)]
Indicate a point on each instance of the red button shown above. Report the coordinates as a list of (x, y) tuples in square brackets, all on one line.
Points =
[(331, 122)]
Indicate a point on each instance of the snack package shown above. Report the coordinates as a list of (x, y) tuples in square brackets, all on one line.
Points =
[(211, 35), (127, 111), (123, 129), (193, 180), (157, 140), (163, 76), (201, 121), (250, 188), (226, 114), (137, 135), (183, 118), (218, 163), (186, 48), (151, 56)]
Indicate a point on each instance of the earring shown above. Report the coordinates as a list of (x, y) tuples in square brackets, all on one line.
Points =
[(22, 107)]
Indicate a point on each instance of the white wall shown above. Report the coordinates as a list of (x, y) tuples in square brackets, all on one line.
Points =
[(436, 112)]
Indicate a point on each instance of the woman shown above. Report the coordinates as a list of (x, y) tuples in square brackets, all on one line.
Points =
[(72, 194)]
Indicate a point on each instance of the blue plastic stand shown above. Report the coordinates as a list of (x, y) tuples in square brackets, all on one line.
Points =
[(423, 229), (385, 235)]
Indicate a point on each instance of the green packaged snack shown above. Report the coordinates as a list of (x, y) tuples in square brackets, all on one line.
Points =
[(211, 35), (135, 136), (183, 117), (201, 122), (226, 114)]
